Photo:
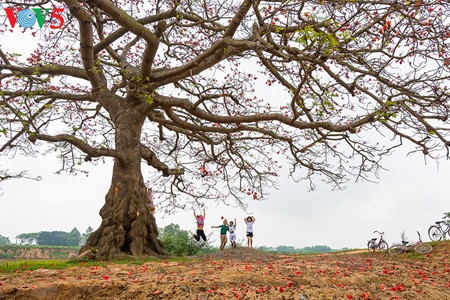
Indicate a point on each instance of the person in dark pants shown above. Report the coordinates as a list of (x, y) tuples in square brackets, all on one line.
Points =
[(249, 221), (200, 224)]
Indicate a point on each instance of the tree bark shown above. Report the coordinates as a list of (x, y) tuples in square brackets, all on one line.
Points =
[(127, 225)]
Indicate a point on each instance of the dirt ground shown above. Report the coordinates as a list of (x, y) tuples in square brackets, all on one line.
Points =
[(245, 274)]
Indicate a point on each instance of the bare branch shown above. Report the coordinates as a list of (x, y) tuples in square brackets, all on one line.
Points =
[(86, 44), (150, 157), (90, 151)]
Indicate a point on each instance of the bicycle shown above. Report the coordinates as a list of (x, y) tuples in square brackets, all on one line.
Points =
[(372, 244), (437, 232), (418, 246)]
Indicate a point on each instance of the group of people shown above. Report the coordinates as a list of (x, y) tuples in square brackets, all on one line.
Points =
[(224, 228)]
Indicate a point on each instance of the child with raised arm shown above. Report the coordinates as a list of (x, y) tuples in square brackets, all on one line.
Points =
[(200, 223), (232, 230), (249, 221), (223, 233)]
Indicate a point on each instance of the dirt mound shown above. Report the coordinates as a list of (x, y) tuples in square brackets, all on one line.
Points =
[(246, 274), (442, 247), (242, 254)]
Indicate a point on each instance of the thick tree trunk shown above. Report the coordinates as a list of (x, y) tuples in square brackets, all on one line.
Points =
[(127, 225)]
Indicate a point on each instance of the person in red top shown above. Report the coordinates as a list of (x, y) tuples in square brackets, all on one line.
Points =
[(200, 224)]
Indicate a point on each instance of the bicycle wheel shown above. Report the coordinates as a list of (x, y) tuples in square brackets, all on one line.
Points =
[(383, 247), (395, 249), (371, 246), (423, 248), (435, 233)]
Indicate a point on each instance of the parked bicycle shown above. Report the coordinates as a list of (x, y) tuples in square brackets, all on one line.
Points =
[(437, 232), (418, 246), (381, 245)]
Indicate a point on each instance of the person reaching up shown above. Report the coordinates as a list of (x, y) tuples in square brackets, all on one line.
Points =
[(249, 221), (223, 233), (232, 230), (200, 224)]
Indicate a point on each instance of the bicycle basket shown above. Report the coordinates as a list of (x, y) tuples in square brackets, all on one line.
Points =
[(446, 218)]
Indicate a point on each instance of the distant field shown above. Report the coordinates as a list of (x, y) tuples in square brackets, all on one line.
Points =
[(15, 252)]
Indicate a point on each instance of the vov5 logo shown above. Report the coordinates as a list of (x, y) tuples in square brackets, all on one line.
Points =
[(28, 17)]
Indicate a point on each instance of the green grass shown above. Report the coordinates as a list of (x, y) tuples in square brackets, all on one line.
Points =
[(340, 251), (22, 265), (437, 244), (30, 265)]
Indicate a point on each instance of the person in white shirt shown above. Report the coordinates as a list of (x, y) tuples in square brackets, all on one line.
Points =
[(249, 221), (232, 230)]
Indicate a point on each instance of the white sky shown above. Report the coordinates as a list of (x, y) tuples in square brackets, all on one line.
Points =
[(410, 197)]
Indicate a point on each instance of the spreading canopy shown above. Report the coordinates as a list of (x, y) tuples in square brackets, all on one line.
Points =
[(226, 93)]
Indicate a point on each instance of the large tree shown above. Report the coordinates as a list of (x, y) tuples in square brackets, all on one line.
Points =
[(217, 96), (4, 240)]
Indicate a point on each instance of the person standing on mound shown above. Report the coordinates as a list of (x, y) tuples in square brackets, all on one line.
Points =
[(232, 230), (200, 224), (249, 221), (223, 233)]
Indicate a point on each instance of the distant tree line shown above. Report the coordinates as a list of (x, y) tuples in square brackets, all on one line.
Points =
[(4, 240), (292, 249), (179, 242), (54, 238)]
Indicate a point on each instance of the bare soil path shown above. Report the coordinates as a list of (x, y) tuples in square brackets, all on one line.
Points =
[(245, 274)]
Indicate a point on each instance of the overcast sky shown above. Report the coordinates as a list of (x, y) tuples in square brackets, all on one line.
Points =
[(410, 197)]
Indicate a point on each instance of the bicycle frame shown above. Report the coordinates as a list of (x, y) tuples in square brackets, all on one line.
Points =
[(440, 229), (409, 245), (418, 246), (372, 244), (442, 226)]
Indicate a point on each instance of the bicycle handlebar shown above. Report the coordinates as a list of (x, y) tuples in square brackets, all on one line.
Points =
[(381, 233)]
